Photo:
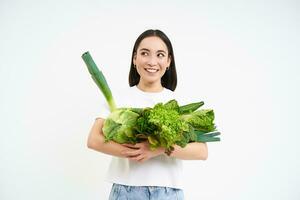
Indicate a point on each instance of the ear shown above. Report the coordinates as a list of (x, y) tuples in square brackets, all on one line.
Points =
[(169, 60)]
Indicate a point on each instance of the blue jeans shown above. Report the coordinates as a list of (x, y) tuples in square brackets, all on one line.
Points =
[(124, 192)]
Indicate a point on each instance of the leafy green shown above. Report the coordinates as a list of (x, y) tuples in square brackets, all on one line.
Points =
[(201, 120), (119, 126), (162, 124)]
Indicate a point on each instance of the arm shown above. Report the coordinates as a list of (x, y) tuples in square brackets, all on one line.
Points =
[(96, 141), (192, 151), (142, 152)]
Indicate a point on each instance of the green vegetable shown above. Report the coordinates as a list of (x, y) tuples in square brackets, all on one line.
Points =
[(99, 79), (201, 120), (164, 125), (119, 126), (186, 109), (207, 136)]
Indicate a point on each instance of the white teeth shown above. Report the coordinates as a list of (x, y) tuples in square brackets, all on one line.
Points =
[(151, 70)]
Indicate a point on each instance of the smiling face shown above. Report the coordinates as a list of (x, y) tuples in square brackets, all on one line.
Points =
[(151, 60)]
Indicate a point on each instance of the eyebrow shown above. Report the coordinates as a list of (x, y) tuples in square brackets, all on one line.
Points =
[(144, 49)]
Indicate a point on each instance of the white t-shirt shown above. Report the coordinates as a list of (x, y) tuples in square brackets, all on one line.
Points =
[(161, 170)]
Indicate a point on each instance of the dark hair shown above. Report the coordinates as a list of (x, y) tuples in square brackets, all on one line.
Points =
[(169, 79)]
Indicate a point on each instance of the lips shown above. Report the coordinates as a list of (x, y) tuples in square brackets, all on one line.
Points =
[(151, 70)]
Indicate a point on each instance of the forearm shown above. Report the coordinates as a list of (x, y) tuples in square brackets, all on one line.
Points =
[(192, 151), (96, 141)]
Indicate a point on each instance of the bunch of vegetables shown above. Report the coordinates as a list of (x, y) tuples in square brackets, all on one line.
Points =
[(163, 125)]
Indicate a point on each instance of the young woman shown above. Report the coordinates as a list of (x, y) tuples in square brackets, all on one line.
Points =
[(136, 171)]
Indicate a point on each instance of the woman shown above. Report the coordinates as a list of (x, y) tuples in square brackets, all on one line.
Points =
[(136, 171)]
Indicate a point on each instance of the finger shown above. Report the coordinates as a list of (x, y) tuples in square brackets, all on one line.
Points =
[(132, 146), (138, 158), (143, 160), (140, 145), (133, 153), (128, 145)]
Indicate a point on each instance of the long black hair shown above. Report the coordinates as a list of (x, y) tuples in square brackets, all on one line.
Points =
[(169, 79)]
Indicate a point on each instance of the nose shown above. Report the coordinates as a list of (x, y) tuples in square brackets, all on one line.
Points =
[(152, 61)]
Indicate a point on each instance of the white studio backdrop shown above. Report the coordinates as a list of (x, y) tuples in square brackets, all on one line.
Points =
[(240, 57)]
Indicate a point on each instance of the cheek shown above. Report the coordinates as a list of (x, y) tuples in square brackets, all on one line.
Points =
[(164, 63), (140, 59)]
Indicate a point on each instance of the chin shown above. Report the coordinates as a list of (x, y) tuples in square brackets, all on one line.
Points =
[(152, 80)]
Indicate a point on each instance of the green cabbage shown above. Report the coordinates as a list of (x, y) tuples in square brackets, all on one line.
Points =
[(120, 126)]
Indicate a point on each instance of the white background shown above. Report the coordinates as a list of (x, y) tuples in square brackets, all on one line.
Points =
[(240, 57)]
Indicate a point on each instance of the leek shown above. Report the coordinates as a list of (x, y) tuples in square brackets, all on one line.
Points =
[(99, 79)]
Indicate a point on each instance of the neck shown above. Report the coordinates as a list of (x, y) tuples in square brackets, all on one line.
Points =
[(150, 87)]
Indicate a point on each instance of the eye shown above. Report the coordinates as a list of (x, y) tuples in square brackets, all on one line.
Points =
[(161, 55), (144, 53)]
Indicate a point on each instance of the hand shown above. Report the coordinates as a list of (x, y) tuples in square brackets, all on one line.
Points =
[(141, 152)]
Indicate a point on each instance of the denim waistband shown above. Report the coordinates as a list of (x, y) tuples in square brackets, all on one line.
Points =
[(124, 192)]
